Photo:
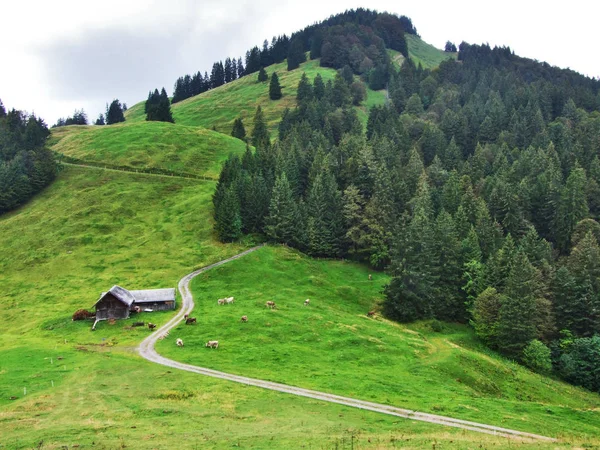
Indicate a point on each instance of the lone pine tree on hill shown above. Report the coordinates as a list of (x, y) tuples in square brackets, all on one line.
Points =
[(262, 75), (158, 107), (274, 87), (114, 113), (238, 130)]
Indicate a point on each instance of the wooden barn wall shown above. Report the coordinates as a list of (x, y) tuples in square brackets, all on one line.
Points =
[(111, 308)]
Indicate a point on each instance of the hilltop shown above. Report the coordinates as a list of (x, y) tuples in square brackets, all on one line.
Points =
[(148, 145), (219, 107)]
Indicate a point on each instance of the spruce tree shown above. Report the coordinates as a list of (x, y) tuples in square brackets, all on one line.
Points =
[(114, 113), (240, 68), (485, 311), (238, 130), (262, 75), (260, 134), (228, 223), (296, 55), (274, 87), (280, 224), (518, 314), (100, 120), (319, 87), (305, 90), (584, 265)]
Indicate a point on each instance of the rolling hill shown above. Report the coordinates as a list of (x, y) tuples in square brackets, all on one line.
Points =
[(148, 145)]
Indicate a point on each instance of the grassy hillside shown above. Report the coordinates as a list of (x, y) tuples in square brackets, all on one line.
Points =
[(426, 54), (219, 107), (331, 345), (148, 145), (421, 53), (90, 230)]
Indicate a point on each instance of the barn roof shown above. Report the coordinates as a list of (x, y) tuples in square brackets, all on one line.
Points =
[(154, 295), (120, 294), (141, 296)]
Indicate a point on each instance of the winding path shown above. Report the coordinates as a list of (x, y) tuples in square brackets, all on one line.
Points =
[(147, 351)]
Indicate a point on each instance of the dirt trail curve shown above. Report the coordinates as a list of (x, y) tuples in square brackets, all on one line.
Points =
[(147, 351)]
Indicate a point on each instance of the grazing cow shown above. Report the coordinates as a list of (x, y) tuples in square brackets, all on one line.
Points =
[(270, 304), (179, 342), (370, 277), (371, 314), (244, 319), (190, 320), (212, 344), (229, 300), (151, 326), (307, 302)]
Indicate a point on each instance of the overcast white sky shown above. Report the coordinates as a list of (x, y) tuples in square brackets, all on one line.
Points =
[(60, 55)]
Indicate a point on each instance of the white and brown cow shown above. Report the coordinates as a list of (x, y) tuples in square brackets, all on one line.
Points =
[(212, 344), (179, 342)]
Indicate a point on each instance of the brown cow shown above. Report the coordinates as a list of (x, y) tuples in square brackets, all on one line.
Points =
[(270, 304), (212, 344), (244, 319), (151, 326), (371, 314), (190, 320)]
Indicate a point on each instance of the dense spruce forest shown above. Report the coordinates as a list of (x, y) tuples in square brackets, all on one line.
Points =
[(26, 166), (477, 186), (357, 39)]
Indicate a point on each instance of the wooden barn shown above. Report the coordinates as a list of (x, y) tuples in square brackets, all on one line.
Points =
[(118, 302)]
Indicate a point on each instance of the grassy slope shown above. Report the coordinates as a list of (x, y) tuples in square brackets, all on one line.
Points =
[(148, 145), (92, 229), (331, 345), (219, 107), (421, 53)]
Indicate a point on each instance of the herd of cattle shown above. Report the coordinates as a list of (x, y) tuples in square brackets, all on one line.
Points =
[(227, 301)]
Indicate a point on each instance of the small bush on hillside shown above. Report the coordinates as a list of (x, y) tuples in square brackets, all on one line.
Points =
[(537, 357)]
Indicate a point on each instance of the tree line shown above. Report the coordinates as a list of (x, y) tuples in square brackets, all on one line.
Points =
[(476, 187), (26, 165)]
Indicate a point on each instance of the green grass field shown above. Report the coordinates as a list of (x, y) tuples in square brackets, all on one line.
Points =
[(144, 145), (331, 345), (89, 230)]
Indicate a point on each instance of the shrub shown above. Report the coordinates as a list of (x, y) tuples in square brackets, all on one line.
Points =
[(536, 356)]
